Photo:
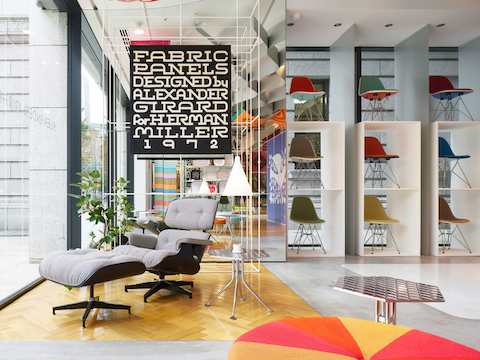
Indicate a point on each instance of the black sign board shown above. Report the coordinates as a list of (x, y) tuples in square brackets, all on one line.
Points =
[(181, 99)]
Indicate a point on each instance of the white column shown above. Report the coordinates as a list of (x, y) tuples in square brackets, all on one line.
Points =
[(469, 76), (413, 104), (411, 77), (342, 108), (48, 132)]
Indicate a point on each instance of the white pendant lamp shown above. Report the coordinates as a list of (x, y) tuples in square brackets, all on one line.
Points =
[(237, 183), (204, 189)]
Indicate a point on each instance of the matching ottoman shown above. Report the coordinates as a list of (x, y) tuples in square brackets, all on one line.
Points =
[(79, 268), (332, 338)]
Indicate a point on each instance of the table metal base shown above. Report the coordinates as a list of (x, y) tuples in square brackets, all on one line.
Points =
[(238, 281), (386, 312)]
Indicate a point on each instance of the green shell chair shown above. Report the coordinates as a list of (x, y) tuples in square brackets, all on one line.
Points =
[(303, 212)]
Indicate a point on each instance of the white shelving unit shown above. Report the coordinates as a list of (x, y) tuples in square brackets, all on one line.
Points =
[(464, 139), (402, 138), (329, 199)]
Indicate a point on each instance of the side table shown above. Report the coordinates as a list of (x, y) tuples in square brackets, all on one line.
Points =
[(387, 292), (238, 281)]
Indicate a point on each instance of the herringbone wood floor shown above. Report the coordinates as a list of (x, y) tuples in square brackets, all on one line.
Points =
[(165, 317)]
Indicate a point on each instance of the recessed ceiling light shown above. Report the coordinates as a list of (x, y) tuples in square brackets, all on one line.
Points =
[(440, 25), (139, 29), (388, 25), (337, 24)]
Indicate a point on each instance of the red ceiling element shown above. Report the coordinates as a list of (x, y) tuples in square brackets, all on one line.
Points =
[(149, 42), (145, 1)]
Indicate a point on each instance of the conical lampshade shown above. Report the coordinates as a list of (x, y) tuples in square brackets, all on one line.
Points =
[(237, 183), (204, 189)]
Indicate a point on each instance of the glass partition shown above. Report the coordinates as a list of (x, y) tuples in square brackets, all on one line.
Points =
[(256, 33)]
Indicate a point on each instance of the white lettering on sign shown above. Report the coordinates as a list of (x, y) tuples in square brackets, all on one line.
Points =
[(181, 99)]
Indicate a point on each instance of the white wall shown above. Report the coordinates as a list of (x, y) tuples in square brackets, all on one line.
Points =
[(141, 184), (469, 75)]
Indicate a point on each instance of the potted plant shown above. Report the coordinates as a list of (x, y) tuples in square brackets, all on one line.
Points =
[(112, 216)]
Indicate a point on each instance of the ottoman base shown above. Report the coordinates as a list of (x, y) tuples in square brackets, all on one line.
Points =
[(89, 305)]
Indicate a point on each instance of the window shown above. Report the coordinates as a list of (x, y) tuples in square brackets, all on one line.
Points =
[(33, 161)]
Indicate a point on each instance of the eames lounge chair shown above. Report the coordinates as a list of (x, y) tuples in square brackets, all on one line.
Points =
[(377, 161), (446, 154), (446, 217), (372, 89), (303, 212), (449, 98), (176, 250), (378, 224)]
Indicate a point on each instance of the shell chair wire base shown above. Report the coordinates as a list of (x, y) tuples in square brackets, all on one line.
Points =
[(310, 109), (375, 111), (308, 232), (445, 169), (447, 235), (379, 170), (377, 235), (450, 107), (306, 171)]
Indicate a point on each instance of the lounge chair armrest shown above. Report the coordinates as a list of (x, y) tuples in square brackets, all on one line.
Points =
[(152, 225), (204, 242), (146, 241)]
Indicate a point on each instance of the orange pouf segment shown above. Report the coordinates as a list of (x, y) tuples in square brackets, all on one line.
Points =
[(328, 338)]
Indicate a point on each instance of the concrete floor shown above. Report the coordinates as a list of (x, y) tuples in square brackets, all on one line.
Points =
[(115, 350), (312, 280)]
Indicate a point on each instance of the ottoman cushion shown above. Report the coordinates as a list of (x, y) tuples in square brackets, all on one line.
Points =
[(82, 267)]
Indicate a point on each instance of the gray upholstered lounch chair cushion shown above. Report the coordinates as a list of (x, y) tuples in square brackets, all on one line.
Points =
[(185, 219), (78, 267), (191, 214), (151, 250)]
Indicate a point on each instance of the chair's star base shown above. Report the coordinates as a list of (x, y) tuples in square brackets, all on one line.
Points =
[(155, 286)]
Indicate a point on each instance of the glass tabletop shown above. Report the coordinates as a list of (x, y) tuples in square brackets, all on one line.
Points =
[(247, 255), (390, 289)]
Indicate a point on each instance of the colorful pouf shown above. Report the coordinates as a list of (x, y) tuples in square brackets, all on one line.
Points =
[(329, 338)]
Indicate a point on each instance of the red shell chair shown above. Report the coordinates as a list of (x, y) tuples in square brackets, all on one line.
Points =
[(377, 163), (304, 93), (302, 89), (448, 96), (375, 150), (301, 84)]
